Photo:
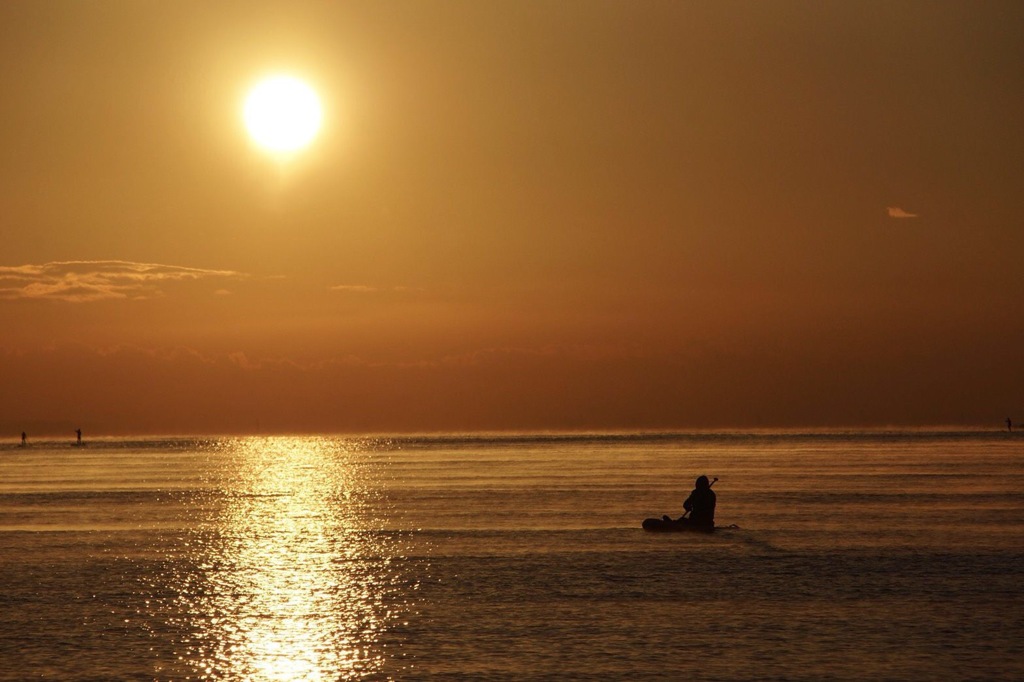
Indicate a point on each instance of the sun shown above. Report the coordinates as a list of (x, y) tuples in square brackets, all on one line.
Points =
[(282, 114)]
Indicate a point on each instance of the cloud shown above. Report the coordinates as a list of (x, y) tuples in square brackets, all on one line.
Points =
[(897, 212), (87, 281), (365, 289), (355, 288)]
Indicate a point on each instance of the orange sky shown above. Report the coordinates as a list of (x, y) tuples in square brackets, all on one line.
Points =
[(522, 215)]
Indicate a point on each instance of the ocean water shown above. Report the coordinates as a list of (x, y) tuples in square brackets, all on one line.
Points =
[(893, 555)]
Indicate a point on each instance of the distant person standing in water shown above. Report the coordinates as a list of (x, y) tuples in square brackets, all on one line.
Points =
[(701, 504), (1009, 424), (78, 432), (24, 438)]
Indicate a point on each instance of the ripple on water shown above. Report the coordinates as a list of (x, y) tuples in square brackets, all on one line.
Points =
[(290, 576)]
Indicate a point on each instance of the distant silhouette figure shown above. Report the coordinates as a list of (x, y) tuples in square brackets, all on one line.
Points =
[(701, 503), (700, 506), (78, 432), (24, 438), (1009, 424)]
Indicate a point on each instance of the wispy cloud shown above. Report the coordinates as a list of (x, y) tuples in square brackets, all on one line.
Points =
[(897, 212), (365, 289), (86, 281)]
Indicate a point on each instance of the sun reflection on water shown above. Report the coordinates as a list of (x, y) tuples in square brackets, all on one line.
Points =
[(295, 580)]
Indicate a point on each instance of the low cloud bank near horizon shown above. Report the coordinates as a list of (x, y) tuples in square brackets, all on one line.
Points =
[(176, 389), (98, 280)]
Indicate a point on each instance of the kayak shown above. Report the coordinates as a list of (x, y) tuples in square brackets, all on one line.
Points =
[(672, 526)]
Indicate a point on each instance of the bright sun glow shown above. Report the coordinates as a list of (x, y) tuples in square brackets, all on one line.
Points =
[(282, 114)]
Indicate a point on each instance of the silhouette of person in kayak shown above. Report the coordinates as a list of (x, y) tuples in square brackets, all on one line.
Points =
[(700, 505)]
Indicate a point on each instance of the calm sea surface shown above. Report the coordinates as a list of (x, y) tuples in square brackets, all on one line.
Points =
[(896, 555)]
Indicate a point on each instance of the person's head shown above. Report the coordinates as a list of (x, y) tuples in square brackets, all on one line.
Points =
[(703, 483)]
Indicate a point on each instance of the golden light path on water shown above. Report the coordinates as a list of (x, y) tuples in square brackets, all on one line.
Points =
[(294, 579)]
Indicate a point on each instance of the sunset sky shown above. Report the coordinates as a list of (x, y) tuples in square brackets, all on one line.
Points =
[(516, 215)]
